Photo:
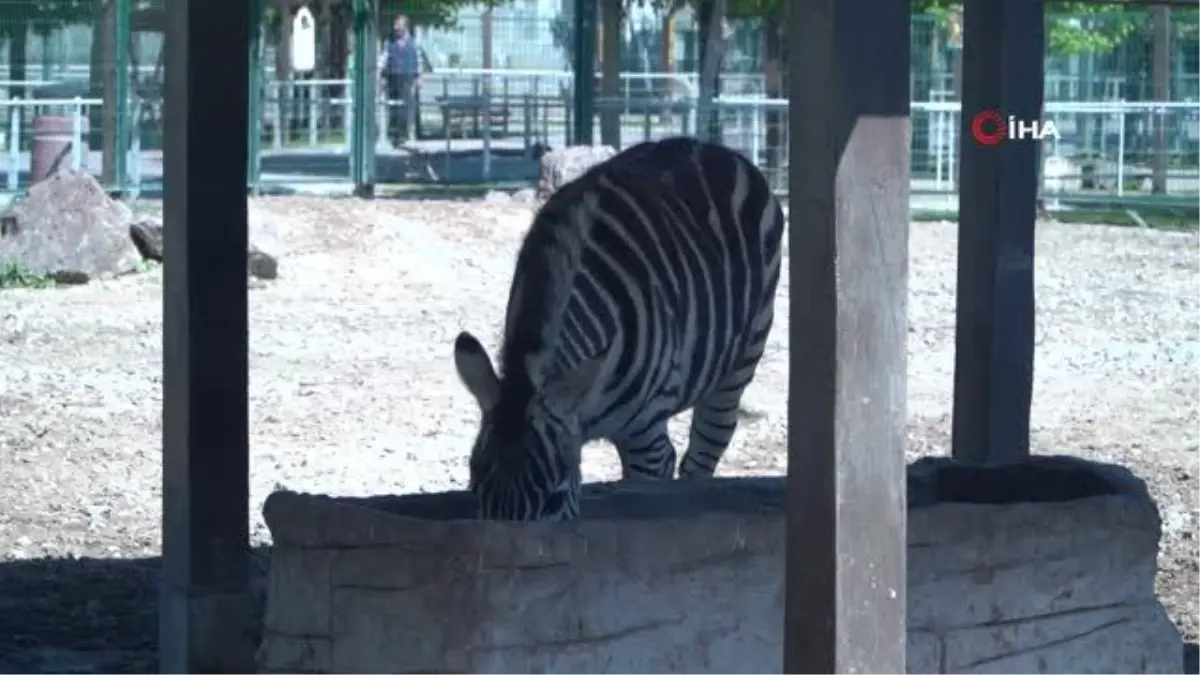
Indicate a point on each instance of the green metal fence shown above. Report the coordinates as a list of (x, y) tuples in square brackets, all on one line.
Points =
[(91, 67), (498, 85)]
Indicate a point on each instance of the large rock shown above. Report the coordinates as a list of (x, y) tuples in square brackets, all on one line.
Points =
[(263, 247), (562, 166), (262, 253), (69, 229)]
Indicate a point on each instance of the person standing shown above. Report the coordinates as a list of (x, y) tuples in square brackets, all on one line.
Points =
[(399, 67)]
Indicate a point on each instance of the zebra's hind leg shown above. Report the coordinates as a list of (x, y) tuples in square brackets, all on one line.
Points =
[(649, 455), (715, 417)]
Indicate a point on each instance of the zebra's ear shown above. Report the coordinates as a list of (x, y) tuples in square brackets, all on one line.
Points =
[(572, 390), (475, 370)]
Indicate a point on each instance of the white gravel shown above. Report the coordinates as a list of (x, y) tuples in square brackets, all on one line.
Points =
[(353, 390)]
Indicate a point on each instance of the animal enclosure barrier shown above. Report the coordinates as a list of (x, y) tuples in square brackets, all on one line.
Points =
[(1042, 567)]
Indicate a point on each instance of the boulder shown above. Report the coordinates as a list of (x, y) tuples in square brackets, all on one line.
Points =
[(264, 246), (261, 265), (262, 252), (562, 166), (147, 236), (68, 228)]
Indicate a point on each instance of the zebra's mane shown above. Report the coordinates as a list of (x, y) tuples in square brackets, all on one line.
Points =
[(547, 263)]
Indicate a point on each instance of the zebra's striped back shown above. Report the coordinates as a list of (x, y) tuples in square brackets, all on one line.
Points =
[(643, 288)]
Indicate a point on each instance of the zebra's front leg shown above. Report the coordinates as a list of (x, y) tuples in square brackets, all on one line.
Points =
[(649, 455), (714, 420)]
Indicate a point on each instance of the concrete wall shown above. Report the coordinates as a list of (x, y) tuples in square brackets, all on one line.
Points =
[(1043, 568)]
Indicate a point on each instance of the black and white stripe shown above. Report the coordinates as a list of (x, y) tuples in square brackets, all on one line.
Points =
[(644, 288)]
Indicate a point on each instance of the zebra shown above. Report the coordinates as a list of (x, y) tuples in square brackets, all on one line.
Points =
[(643, 288)]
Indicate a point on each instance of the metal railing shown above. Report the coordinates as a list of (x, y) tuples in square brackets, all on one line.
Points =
[(1103, 149), (17, 139), (19, 135), (1116, 139), (542, 96), (1109, 146)]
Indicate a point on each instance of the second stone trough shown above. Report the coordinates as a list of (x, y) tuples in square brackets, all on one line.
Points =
[(1043, 567)]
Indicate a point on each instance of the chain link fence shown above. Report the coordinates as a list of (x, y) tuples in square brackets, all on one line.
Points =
[(84, 89)]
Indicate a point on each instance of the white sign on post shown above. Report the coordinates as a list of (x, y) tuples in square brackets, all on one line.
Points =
[(304, 42)]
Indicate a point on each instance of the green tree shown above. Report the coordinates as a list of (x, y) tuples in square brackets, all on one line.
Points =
[(17, 19), (429, 13), (1073, 27)]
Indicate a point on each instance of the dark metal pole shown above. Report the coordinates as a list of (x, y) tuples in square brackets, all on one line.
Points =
[(1003, 75)]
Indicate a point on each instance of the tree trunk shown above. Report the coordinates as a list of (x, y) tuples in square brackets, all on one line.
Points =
[(710, 15), (18, 41), (668, 41), (487, 52), (107, 37), (1162, 92), (341, 25), (282, 93), (487, 40), (610, 74), (775, 65)]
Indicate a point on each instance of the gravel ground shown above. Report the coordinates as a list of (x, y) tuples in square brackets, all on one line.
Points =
[(353, 392)]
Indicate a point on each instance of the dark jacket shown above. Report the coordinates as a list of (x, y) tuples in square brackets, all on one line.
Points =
[(400, 57)]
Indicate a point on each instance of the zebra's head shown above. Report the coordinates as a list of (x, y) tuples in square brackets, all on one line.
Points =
[(525, 464)]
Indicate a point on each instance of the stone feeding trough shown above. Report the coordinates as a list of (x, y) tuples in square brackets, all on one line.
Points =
[(1041, 567)]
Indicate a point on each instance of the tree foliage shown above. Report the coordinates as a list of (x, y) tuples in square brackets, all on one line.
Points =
[(1077, 27), (45, 15), (429, 13), (421, 13), (1073, 27)]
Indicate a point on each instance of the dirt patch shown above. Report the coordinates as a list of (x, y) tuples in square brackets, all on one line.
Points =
[(353, 392)]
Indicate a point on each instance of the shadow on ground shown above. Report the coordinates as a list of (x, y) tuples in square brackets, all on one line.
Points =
[(84, 615), (93, 615)]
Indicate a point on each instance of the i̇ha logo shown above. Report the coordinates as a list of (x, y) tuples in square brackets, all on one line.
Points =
[(989, 127)]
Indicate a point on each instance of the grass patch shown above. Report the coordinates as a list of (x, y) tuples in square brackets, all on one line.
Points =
[(1156, 219), (933, 215), (144, 265), (15, 275)]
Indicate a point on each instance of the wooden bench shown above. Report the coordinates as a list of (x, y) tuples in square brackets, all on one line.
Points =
[(457, 110)]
